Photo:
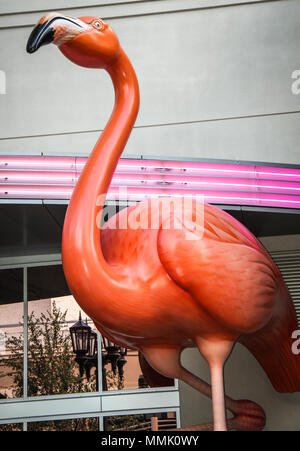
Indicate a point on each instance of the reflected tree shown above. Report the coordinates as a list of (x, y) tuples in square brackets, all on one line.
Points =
[(51, 366), (123, 422)]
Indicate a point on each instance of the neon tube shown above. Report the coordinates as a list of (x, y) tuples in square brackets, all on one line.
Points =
[(155, 167), (163, 181), (55, 178), (135, 194)]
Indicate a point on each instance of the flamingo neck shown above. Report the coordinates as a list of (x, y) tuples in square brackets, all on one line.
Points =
[(84, 264), (112, 141)]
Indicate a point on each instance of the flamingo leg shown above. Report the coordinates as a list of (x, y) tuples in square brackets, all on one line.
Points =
[(247, 414), (216, 353), (167, 362), (218, 400)]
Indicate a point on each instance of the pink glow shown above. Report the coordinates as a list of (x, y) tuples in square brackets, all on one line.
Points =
[(148, 181), (136, 194), (211, 183), (155, 167), (55, 178), (38, 177), (38, 163)]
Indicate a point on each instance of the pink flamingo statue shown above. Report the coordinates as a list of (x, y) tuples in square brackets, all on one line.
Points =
[(161, 290)]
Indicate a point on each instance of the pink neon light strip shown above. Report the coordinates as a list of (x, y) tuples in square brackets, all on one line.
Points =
[(154, 166), (135, 194), (154, 181), (55, 178)]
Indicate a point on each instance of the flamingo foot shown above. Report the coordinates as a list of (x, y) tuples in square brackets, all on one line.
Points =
[(248, 416)]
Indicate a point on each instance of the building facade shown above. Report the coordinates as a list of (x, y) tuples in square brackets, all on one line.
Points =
[(219, 86)]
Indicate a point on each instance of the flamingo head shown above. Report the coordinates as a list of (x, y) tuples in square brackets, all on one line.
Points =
[(86, 41)]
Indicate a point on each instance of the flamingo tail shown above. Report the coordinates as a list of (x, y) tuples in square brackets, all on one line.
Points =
[(273, 346)]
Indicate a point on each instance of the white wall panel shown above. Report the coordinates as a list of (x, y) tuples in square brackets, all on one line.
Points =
[(150, 400), (14, 7), (197, 69), (254, 138), (84, 405), (244, 379), (35, 408)]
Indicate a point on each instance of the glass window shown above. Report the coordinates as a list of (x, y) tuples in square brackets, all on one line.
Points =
[(11, 333), (76, 424), (11, 427), (141, 422), (51, 307), (52, 365), (46, 282), (126, 369)]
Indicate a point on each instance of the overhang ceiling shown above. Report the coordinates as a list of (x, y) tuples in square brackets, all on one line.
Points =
[(30, 229)]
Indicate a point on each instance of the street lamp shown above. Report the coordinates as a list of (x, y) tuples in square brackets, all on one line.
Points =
[(80, 335), (115, 355), (91, 358), (121, 362), (84, 343)]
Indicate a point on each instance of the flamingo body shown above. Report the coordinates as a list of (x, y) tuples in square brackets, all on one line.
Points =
[(220, 284), (197, 278)]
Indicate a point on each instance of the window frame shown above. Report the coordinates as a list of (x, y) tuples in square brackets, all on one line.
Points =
[(100, 404)]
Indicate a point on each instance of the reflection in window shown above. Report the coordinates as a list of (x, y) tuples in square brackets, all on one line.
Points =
[(142, 422), (121, 367), (130, 377), (11, 333), (76, 424), (52, 368), (46, 282), (11, 427)]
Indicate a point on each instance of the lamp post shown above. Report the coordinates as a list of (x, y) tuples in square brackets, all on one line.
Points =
[(80, 336), (84, 343), (91, 359)]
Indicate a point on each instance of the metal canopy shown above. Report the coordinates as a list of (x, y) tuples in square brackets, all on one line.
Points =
[(32, 229)]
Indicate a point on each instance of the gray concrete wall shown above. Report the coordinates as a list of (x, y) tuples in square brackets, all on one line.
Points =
[(215, 80), (244, 377)]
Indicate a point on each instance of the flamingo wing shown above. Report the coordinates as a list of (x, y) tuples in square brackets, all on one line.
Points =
[(223, 268)]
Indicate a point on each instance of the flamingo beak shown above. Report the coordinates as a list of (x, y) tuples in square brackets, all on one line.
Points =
[(47, 31), (42, 34)]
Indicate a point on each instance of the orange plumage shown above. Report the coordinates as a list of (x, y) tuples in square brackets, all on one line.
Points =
[(164, 288)]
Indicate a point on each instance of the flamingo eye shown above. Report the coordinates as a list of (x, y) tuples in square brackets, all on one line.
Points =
[(97, 24)]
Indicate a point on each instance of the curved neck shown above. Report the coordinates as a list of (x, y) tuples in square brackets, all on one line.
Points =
[(108, 149), (82, 256)]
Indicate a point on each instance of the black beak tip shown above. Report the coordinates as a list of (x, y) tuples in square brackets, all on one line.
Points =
[(42, 34), (30, 48)]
